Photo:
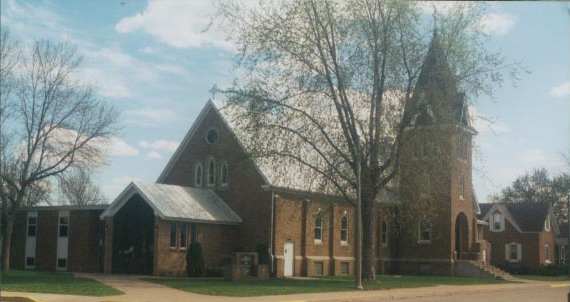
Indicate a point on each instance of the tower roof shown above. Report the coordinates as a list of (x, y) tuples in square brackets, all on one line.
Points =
[(436, 98)]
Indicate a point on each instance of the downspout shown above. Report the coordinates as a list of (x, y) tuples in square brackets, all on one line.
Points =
[(272, 234)]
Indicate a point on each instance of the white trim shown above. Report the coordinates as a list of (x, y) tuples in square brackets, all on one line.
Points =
[(507, 215), (224, 164), (198, 176), (63, 242), (318, 258), (343, 258), (508, 251), (31, 241), (133, 189), (344, 242)]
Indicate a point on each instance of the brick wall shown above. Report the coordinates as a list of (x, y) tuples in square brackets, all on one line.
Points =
[(84, 249), (295, 219), (531, 246), (217, 241), (244, 194), (86, 241)]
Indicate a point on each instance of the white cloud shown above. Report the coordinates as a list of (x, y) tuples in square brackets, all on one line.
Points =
[(561, 90), (159, 145), (496, 23), (119, 147), (149, 117), (153, 155), (109, 86), (181, 24)]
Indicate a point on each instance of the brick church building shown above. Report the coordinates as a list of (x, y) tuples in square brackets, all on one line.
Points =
[(212, 192)]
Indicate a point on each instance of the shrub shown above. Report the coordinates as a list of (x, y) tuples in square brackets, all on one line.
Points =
[(195, 266), (262, 253)]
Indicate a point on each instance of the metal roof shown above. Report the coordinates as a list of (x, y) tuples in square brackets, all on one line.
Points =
[(171, 202)]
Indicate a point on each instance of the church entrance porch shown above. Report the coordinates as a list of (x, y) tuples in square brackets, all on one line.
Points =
[(462, 251)]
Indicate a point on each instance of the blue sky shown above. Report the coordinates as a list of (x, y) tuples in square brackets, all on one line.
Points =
[(155, 63)]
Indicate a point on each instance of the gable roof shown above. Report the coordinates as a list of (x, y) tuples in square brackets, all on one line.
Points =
[(210, 106), (529, 215), (171, 202), (525, 216)]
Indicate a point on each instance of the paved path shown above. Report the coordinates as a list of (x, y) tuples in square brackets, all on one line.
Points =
[(141, 291)]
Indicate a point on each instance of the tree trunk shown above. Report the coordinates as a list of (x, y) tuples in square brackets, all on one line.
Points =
[(7, 242), (368, 238)]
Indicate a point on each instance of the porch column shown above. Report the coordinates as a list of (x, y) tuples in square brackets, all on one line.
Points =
[(108, 248)]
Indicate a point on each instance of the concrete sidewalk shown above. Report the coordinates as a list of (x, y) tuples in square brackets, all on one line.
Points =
[(141, 291)]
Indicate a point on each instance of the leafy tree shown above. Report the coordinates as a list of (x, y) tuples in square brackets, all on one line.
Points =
[(323, 85), (539, 186)]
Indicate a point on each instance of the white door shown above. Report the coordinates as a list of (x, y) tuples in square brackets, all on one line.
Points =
[(288, 256)]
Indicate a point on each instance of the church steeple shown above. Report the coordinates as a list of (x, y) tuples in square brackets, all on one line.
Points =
[(436, 99)]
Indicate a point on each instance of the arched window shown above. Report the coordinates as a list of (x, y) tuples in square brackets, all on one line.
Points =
[(198, 175), (211, 172), (547, 224), (344, 229), (384, 234), (319, 228), (461, 187), (224, 173), (547, 253), (424, 231)]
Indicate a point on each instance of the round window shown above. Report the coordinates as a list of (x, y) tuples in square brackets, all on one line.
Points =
[(212, 136)]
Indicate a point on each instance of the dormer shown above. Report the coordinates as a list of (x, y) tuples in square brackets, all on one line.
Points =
[(497, 221)]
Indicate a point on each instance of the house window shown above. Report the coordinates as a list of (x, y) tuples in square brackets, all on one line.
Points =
[(211, 172), (198, 175), (345, 268), (384, 232), (318, 228), (424, 231), (30, 262), (547, 253), (173, 235), (32, 226), (183, 235), (224, 173), (547, 224), (344, 229), (461, 187), (63, 226), (212, 136), (562, 254), (497, 224), (319, 267), (61, 263), (513, 252)]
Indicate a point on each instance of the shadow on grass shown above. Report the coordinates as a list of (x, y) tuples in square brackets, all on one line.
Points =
[(54, 283), (220, 287)]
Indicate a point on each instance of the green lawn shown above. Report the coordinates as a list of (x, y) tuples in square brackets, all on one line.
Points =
[(543, 278), (54, 283), (219, 287)]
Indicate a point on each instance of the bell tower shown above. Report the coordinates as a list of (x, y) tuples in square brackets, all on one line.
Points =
[(435, 167)]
